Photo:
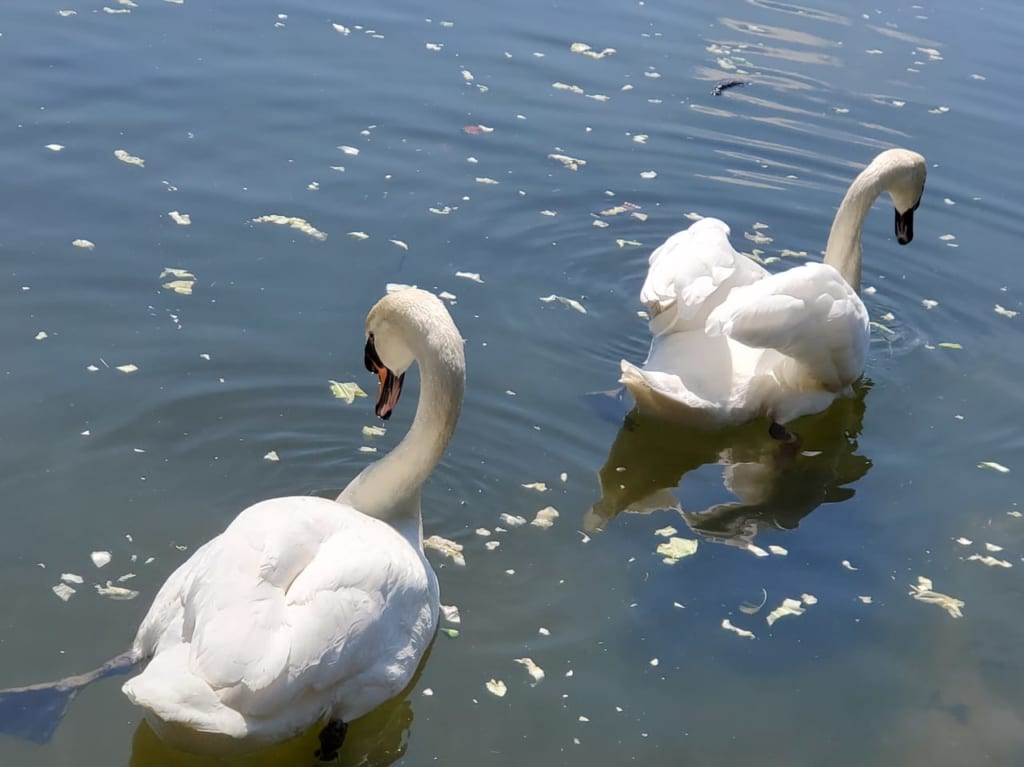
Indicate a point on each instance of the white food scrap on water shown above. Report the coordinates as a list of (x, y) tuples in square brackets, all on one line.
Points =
[(540, 487), (991, 561), (923, 592), (586, 50), (115, 592), (451, 614), (567, 87), (54, 147), (471, 276), (399, 244), (788, 607), (570, 302), (182, 282), (1005, 312), (272, 456), (727, 625), (294, 222), (100, 558), (64, 591), (571, 163), (342, 29), (512, 521), (676, 548), (181, 219), (347, 391), (536, 672), (84, 244), (496, 687), (447, 548), (545, 517), (747, 608), (129, 368), (846, 563), (993, 465), (666, 532), (129, 159), (374, 431)]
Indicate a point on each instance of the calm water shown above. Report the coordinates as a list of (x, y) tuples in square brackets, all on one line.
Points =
[(238, 110)]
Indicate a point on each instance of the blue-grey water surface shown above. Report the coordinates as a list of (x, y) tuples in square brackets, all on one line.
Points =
[(238, 110)]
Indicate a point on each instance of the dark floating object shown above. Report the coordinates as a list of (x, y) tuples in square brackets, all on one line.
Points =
[(726, 85)]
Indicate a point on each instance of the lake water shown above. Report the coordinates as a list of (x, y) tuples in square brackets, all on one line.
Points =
[(238, 110)]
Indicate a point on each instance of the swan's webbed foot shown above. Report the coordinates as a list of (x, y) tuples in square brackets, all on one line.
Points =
[(331, 738), (790, 443), (779, 432)]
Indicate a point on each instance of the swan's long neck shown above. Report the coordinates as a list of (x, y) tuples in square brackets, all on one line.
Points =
[(843, 251), (389, 489)]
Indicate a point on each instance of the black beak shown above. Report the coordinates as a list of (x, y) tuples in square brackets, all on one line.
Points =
[(390, 384), (370, 357), (905, 225)]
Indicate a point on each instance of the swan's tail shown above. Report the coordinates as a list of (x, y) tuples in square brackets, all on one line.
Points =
[(33, 713)]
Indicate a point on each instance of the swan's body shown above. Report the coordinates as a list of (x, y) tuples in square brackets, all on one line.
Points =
[(306, 609), (733, 342)]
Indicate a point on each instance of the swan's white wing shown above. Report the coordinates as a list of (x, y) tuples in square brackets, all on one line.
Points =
[(690, 273), (809, 313), (300, 601)]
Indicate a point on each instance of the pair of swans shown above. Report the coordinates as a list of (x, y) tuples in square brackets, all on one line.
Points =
[(733, 342), (307, 611)]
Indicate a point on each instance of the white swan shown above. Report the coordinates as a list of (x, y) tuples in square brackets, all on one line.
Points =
[(304, 609), (733, 342)]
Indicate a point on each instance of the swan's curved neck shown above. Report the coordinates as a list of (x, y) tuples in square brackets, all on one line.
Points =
[(843, 251), (389, 489)]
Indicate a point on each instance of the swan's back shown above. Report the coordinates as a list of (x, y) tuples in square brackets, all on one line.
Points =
[(691, 273), (301, 607), (809, 314)]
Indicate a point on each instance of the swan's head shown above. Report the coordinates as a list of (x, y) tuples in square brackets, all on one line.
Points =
[(399, 328), (904, 172)]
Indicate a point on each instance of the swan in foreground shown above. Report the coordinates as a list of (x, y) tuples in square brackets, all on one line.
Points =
[(733, 342), (307, 610)]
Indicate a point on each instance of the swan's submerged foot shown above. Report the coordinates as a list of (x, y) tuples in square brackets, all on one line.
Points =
[(789, 446), (331, 738), (781, 433)]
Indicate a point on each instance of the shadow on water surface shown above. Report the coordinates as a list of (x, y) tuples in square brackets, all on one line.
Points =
[(375, 740), (774, 488)]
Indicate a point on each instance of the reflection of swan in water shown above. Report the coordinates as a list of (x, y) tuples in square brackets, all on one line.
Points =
[(774, 485), (375, 740)]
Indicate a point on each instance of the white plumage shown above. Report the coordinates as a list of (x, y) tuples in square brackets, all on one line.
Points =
[(733, 342), (306, 609)]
